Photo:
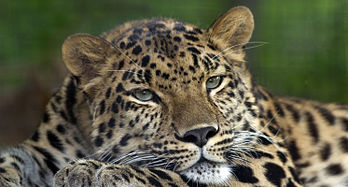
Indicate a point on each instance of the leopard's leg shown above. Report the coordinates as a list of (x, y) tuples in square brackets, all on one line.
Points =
[(94, 173), (57, 140), (11, 165), (30, 165)]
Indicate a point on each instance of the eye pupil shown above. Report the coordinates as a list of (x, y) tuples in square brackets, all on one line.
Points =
[(213, 82), (143, 95)]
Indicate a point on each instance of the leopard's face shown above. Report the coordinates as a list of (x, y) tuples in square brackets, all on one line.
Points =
[(169, 96)]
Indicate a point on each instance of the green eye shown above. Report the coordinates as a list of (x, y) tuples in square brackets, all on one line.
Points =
[(213, 82), (143, 95)]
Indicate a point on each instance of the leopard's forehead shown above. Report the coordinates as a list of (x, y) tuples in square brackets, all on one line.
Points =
[(158, 29), (169, 51)]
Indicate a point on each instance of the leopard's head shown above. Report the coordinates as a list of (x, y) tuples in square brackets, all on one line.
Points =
[(168, 94)]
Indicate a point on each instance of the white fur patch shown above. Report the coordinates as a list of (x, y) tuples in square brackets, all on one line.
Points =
[(208, 173)]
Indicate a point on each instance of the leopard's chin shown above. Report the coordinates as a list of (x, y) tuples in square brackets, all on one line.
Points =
[(207, 172)]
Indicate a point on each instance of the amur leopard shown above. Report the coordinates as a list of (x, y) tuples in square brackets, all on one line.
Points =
[(159, 102)]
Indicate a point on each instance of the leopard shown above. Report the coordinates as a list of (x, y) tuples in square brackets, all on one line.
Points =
[(160, 102)]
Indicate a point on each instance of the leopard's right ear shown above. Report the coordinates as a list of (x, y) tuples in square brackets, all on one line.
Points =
[(85, 55), (233, 29)]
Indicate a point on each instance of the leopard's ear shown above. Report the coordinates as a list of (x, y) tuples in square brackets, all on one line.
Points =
[(85, 55), (233, 29)]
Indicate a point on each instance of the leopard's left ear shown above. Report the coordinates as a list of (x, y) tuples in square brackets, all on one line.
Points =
[(233, 29), (85, 55)]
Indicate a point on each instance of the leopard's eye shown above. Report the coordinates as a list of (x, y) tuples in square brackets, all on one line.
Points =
[(143, 95), (213, 82)]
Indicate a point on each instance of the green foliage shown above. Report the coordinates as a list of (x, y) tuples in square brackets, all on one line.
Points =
[(307, 50)]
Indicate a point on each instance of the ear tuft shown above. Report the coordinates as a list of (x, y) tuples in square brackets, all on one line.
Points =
[(233, 29), (85, 55)]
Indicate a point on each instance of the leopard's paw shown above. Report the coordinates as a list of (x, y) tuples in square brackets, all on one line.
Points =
[(78, 174), (89, 173)]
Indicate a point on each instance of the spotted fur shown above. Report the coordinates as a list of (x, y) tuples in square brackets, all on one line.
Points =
[(160, 102)]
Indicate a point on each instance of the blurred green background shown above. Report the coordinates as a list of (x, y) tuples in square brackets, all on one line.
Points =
[(305, 55)]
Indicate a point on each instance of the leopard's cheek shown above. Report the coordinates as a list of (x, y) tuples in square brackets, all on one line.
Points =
[(123, 125)]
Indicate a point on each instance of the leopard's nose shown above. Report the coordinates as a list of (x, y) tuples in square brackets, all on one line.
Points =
[(199, 136)]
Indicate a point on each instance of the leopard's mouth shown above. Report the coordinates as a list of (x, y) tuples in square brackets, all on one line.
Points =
[(201, 171), (207, 172)]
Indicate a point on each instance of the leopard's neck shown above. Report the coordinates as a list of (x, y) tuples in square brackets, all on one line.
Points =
[(64, 128)]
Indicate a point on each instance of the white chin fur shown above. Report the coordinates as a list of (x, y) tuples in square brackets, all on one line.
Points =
[(208, 173)]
